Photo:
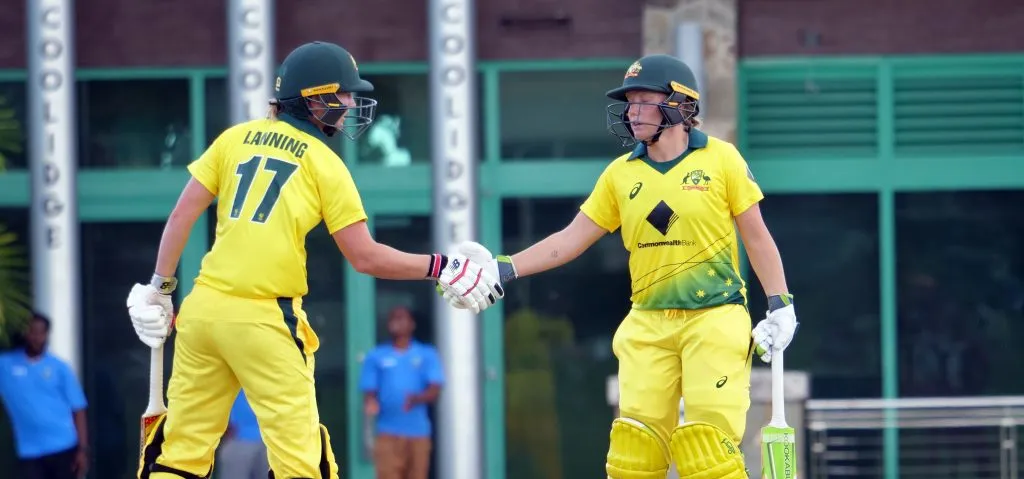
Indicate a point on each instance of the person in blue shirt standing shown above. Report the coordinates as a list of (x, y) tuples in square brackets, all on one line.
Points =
[(398, 381), (46, 407), (242, 453)]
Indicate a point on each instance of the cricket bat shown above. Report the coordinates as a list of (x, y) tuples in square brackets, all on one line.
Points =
[(778, 440), (156, 407)]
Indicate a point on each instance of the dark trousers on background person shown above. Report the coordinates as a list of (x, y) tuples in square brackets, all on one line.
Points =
[(58, 465), (397, 457)]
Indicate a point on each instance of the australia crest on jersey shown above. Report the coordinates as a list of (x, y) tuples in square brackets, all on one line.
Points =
[(696, 180)]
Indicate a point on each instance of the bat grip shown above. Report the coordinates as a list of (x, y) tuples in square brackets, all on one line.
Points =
[(156, 376), (778, 394)]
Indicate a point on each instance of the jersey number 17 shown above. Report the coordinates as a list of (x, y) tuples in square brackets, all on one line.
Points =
[(247, 173)]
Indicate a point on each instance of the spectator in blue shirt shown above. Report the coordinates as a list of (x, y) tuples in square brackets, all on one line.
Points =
[(46, 406), (398, 381), (242, 453)]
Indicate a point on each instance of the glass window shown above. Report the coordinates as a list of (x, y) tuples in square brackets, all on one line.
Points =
[(134, 124), (400, 134), (13, 220), (829, 247), (557, 114), (115, 255), (960, 292), (13, 128), (558, 347), (217, 108)]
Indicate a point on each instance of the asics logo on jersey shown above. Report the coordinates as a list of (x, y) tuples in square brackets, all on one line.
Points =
[(636, 189)]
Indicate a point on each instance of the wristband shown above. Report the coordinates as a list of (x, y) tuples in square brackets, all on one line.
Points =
[(437, 264), (506, 270), (164, 284), (779, 301)]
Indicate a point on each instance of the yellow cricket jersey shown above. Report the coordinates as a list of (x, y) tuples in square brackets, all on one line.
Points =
[(275, 180), (677, 222)]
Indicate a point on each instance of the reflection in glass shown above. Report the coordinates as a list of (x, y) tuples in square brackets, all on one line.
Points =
[(134, 124), (960, 292), (557, 114), (401, 133), (829, 247), (558, 333), (13, 127)]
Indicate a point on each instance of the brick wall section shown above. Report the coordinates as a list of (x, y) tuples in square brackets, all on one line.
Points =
[(131, 33), (775, 27)]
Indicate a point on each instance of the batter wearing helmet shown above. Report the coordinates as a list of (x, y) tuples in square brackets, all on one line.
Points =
[(682, 200), (242, 325)]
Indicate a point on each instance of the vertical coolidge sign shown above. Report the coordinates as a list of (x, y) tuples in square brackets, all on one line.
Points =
[(250, 58), (453, 136), (53, 162)]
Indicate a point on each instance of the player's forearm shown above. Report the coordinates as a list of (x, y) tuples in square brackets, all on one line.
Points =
[(81, 429), (172, 243), (385, 262), (767, 263), (548, 253)]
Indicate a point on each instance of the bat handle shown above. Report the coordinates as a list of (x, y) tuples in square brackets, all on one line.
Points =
[(156, 376), (778, 394)]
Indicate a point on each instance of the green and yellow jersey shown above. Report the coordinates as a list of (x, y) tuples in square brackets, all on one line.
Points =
[(677, 222), (275, 180)]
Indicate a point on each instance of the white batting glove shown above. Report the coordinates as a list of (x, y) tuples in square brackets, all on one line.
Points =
[(149, 315), (469, 283), (776, 331)]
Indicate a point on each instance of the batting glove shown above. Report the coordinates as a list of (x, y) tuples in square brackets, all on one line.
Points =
[(776, 331), (467, 282), (151, 321), (500, 267)]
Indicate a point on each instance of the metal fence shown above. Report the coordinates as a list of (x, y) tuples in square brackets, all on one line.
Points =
[(939, 438)]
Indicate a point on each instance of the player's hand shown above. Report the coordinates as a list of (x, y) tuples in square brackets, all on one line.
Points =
[(776, 331), (470, 282), (500, 267), (149, 315)]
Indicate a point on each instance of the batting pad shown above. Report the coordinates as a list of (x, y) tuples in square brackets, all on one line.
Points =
[(635, 452), (703, 451)]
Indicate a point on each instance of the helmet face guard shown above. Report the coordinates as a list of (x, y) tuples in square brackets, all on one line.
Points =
[(329, 110), (678, 108), (326, 108)]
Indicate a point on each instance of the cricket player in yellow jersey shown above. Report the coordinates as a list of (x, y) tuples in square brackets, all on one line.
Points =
[(242, 326), (679, 199)]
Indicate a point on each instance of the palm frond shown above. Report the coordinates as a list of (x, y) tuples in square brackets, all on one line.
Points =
[(11, 133), (15, 301)]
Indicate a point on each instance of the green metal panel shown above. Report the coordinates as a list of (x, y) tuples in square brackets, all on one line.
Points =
[(15, 188), (890, 356), (359, 340), (828, 113), (493, 351)]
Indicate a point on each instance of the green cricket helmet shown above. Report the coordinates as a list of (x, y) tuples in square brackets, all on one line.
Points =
[(309, 80), (657, 73)]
